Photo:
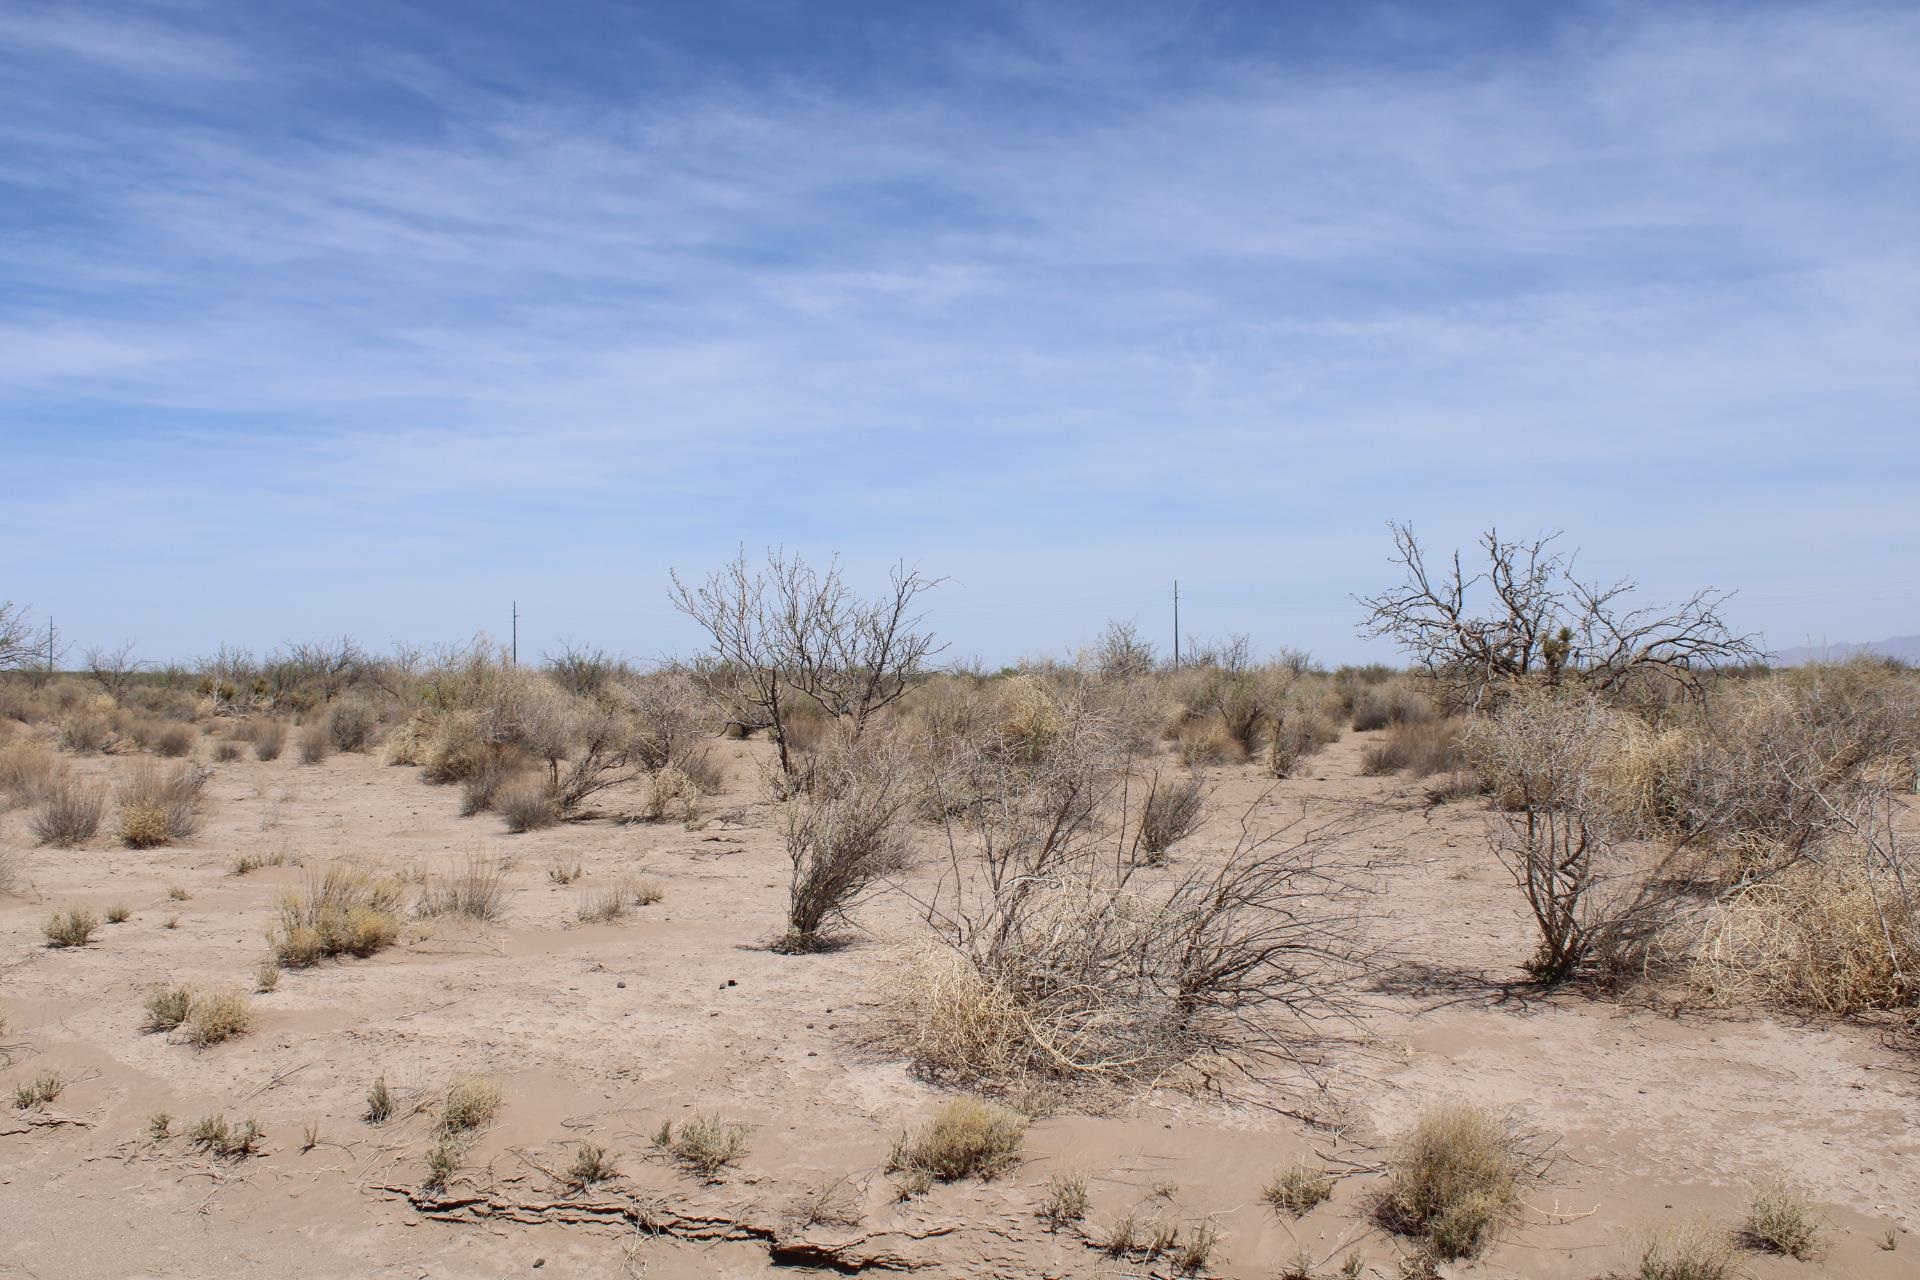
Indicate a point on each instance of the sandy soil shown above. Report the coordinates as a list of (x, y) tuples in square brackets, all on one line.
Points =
[(604, 1031)]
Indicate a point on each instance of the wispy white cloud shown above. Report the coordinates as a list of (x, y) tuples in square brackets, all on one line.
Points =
[(1063, 319)]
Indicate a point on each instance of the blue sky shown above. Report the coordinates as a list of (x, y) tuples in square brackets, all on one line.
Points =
[(320, 318)]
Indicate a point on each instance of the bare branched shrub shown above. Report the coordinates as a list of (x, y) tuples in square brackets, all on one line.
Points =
[(844, 834), (1454, 1179), (476, 891), (85, 732), (67, 812), (670, 719), (671, 793), (159, 806), (342, 910), (526, 805), (1171, 811), (1074, 966), (1297, 734), (1543, 756), (1525, 615)]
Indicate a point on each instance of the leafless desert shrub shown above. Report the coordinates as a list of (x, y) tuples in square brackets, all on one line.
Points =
[(1699, 1249), (1542, 753), (670, 719), (1781, 1219), (67, 812), (491, 769), (270, 740), (226, 751), (159, 806), (316, 744), (216, 1016), (1297, 1188), (71, 928), (1170, 812), (471, 1103), (1420, 748), (1071, 966), (85, 732), (351, 725), (1453, 1179), (476, 891), (343, 910), (707, 772), (526, 805), (705, 1145), (844, 834), (969, 1137)]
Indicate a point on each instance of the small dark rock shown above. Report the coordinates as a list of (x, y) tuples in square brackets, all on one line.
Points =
[(620, 984)]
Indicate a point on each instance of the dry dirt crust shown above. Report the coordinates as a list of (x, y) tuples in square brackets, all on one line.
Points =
[(601, 1032)]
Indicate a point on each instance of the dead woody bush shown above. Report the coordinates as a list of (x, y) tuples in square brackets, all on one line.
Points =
[(843, 834)]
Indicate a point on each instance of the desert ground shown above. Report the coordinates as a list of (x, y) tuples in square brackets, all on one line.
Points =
[(1648, 1110)]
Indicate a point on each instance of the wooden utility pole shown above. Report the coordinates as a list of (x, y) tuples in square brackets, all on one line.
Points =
[(1176, 624), (516, 633)]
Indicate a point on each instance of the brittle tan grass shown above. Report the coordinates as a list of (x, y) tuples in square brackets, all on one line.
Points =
[(343, 910), (1699, 1249), (1297, 1188), (159, 806), (705, 1145), (1453, 1179), (72, 928), (968, 1137), (471, 1103)]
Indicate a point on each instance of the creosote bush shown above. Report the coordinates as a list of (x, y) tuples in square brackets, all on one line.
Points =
[(704, 1145), (968, 1137), (1453, 1180)]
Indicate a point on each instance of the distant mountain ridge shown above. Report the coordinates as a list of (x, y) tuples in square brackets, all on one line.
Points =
[(1905, 648)]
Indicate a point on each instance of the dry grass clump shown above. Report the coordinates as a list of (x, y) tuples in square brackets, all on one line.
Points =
[(39, 1091), (603, 906), (471, 1103), (226, 751), (119, 913), (351, 726), (72, 928), (216, 1016), (1453, 1180), (1420, 748), (1700, 1249), (1392, 703), (270, 740), (379, 1102), (248, 863), (173, 741), (1171, 811), (705, 1145), (671, 793), (343, 910), (592, 1165), (26, 769), (476, 891), (1781, 1219), (527, 805), (1827, 937), (316, 743), (168, 1007), (1207, 741), (160, 806), (219, 1137), (85, 732), (67, 812), (1297, 1188), (969, 1137), (1066, 1202)]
